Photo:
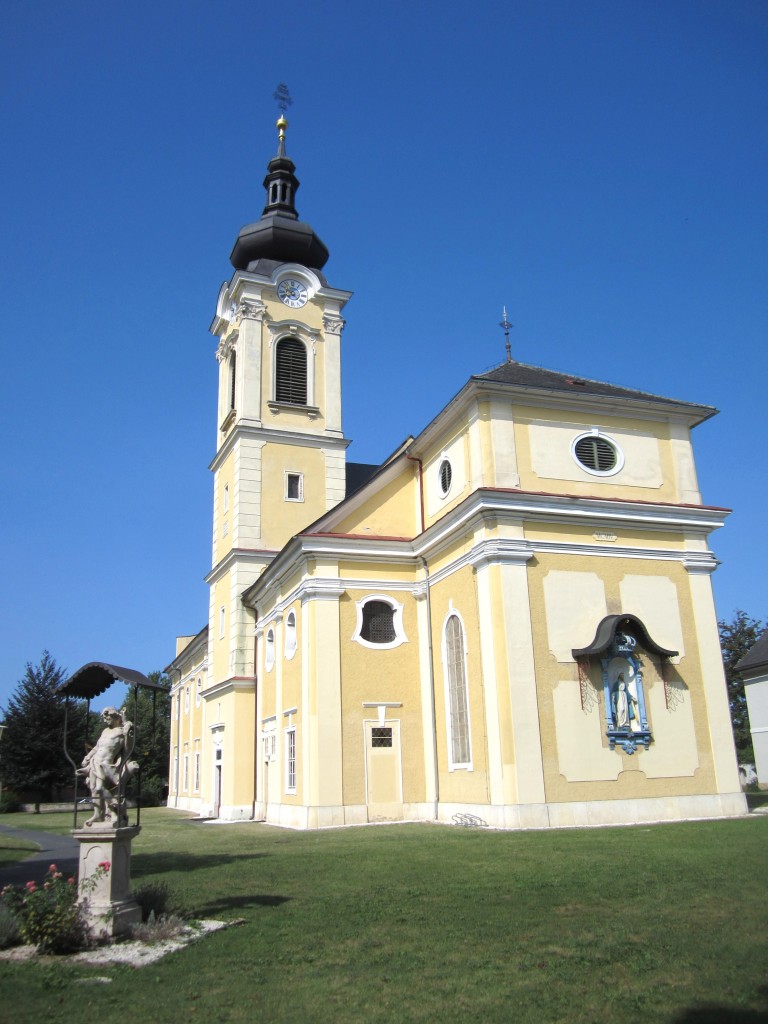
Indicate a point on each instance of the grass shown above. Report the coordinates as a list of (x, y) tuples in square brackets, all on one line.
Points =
[(427, 923), (13, 850)]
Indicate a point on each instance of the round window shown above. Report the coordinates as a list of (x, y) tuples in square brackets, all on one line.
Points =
[(598, 454), (446, 476)]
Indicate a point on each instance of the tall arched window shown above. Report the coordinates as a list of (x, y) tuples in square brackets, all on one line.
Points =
[(232, 379), (457, 710), (291, 372)]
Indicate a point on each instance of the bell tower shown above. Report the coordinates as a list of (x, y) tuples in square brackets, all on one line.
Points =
[(280, 447)]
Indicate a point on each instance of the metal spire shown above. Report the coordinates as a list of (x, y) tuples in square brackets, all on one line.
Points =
[(506, 325), (283, 100)]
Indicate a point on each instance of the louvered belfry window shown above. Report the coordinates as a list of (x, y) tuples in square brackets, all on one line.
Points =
[(457, 691), (378, 623), (596, 453), (291, 376)]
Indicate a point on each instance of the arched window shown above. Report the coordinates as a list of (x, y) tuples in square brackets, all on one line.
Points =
[(269, 650), (199, 693), (457, 708), (232, 379), (290, 635), (291, 372), (186, 700)]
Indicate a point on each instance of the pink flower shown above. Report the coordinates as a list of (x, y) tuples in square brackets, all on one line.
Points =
[(71, 880), (31, 887), (52, 869), (105, 864)]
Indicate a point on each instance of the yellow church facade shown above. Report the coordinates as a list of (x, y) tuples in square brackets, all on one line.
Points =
[(510, 621)]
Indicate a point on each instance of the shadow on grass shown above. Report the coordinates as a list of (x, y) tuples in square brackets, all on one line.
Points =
[(156, 863), (240, 903), (711, 1013)]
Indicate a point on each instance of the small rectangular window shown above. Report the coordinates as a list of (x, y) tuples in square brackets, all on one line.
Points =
[(381, 736), (294, 487), (222, 622)]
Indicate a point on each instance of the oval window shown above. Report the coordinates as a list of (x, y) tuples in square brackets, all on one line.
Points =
[(446, 476)]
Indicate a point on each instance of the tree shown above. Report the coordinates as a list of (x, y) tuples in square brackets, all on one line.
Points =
[(151, 751), (736, 638), (32, 759)]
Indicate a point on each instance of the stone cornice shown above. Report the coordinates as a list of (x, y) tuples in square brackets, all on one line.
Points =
[(241, 683), (254, 431)]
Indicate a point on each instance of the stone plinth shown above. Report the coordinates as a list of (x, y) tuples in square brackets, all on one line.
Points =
[(105, 895)]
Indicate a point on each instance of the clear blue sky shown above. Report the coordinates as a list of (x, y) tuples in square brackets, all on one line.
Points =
[(597, 166)]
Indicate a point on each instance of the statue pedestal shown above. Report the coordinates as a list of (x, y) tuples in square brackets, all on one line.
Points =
[(105, 895)]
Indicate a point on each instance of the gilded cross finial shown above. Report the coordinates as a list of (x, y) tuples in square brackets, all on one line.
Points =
[(506, 325)]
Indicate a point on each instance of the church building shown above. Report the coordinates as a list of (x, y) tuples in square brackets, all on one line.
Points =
[(510, 621)]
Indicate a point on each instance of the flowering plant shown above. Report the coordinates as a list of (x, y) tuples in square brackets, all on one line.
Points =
[(48, 915)]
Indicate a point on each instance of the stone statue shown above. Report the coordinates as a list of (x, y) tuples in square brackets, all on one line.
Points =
[(624, 705), (107, 767)]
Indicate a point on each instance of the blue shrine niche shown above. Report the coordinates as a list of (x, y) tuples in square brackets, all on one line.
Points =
[(618, 642)]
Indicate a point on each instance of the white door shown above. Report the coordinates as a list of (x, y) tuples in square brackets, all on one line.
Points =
[(383, 771)]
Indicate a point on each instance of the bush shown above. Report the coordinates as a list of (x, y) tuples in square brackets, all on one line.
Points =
[(9, 929), (49, 916), (9, 802), (157, 929), (152, 898), (152, 790)]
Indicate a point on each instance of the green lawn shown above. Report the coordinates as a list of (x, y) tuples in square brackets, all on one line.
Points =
[(13, 850), (432, 923)]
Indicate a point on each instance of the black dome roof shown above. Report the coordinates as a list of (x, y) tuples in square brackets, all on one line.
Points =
[(279, 235)]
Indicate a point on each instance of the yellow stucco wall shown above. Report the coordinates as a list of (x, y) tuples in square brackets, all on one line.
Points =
[(543, 437), (393, 511), (632, 782), (282, 519), (384, 675)]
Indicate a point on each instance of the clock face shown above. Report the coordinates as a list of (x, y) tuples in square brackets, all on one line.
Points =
[(292, 293)]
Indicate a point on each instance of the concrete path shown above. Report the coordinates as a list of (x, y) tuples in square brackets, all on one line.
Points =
[(63, 851)]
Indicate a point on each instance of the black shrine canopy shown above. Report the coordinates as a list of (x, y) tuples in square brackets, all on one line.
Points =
[(606, 632), (97, 676)]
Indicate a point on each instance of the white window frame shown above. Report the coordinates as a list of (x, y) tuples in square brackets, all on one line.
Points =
[(290, 760), (397, 621), (186, 773), (456, 765), (186, 699), (269, 649), (226, 497), (222, 622), (291, 644), (444, 461), (300, 477), (596, 432), (199, 692), (196, 779)]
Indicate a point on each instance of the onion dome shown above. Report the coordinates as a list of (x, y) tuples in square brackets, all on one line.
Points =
[(279, 235)]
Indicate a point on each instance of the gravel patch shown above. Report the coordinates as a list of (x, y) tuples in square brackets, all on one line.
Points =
[(130, 952)]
